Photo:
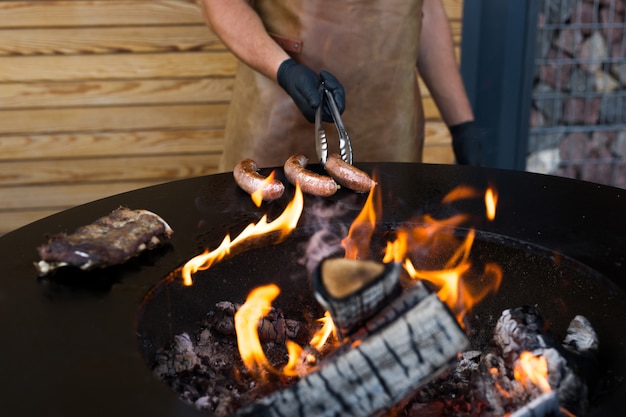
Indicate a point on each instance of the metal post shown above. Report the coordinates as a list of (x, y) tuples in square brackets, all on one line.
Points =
[(498, 47)]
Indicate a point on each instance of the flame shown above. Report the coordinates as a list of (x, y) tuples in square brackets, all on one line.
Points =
[(491, 201), (460, 193), (320, 337), (257, 195), (532, 370), (432, 235), (247, 318), (357, 243), (285, 224)]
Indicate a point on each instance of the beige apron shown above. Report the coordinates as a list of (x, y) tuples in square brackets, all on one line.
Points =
[(370, 46)]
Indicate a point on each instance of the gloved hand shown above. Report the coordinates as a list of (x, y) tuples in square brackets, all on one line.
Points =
[(466, 144), (302, 84)]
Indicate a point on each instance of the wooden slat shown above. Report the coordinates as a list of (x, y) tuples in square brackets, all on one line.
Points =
[(111, 93), (94, 119), (15, 148), (12, 220), (117, 66), (437, 144), (107, 40), (120, 168), (454, 9), (28, 13)]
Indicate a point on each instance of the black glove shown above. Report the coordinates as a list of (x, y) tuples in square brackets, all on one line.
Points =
[(466, 144), (302, 84)]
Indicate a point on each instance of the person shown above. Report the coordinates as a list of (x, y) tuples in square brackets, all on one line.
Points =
[(367, 54)]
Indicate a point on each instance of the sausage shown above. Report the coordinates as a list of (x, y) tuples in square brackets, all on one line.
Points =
[(348, 175), (247, 177), (310, 182)]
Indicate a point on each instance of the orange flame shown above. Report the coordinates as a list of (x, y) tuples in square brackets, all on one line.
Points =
[(434, 235), (460, 193), (285, 224), (320, 337), (356, 244), (247, 318), (257, 195), (258, 304), (491, 201), (532, 370)]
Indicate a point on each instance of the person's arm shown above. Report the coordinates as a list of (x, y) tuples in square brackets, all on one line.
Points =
[(242, 31), (438, 68), (240, 28)]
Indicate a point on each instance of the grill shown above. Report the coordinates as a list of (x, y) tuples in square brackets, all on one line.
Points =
[(75, 343)]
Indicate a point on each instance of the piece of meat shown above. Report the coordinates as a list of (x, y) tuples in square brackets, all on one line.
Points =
[(348, 175), (249, 180), (110, 240), (310, 182)]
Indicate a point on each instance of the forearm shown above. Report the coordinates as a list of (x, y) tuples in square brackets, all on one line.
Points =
[(438, 67), (242, 31)]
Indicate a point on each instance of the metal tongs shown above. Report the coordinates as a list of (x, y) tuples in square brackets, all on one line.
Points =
[(321, 142)]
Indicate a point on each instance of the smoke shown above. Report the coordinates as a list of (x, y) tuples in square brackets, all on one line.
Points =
[(328, 227)]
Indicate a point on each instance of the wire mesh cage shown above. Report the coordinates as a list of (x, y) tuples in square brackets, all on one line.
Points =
[(578, 115)]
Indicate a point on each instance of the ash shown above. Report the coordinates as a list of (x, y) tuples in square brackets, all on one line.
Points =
[(206, 371)]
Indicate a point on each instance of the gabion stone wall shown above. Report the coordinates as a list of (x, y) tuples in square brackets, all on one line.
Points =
[(578, 116)]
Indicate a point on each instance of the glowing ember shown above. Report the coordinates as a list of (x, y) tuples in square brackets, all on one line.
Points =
[(257, 305), (284, 224), (532, 370), (257, 196), (491, 200), (357, 243)]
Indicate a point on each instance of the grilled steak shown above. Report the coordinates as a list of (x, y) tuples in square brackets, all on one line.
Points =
[(110, 240)]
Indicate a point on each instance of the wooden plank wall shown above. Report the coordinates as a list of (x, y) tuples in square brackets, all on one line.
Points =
[(99, 97)]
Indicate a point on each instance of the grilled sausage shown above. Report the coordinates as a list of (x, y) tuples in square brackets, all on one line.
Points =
[(247, 177), (348, 175), (310, 182)]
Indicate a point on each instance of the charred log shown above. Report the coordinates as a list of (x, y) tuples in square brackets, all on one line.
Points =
[(354, 291), (376, 372)]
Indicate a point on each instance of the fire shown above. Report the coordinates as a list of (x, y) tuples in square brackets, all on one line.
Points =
[(257, 305), (491, 201), (430, 236), (459, 286), (320, 338), (357, 243), (532, 370), (285, 224), (257, 196)]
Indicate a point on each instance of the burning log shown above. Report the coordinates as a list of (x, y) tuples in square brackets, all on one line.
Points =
[(405, 345), (353, 291)]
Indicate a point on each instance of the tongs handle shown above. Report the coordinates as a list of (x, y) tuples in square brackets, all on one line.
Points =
[(344, 140), (345, 147)]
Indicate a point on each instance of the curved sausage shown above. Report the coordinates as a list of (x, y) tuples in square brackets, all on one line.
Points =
[(247, 177), (310, 182), (348, 175)]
